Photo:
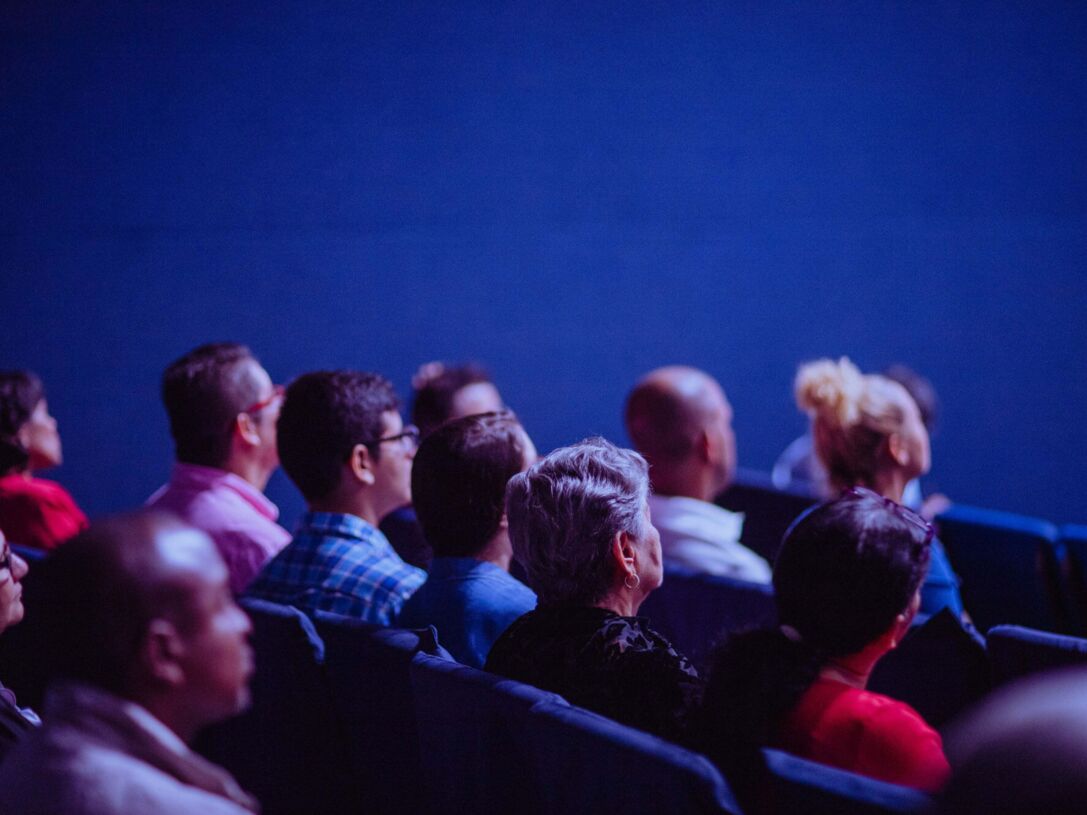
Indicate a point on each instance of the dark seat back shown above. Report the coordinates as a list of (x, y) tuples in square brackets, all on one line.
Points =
[(768, 511), (800, 786), (1015, 652), (286, 748), (1008, 565), (693, 610)]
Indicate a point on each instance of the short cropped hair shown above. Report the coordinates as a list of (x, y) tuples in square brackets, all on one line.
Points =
[(459, 477), (564, 513), (434, 392), (204, 391), (324, 415), (98, 595), (20, 393)]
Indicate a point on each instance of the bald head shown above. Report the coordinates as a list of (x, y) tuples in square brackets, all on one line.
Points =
[(106, 586), (679, 419)]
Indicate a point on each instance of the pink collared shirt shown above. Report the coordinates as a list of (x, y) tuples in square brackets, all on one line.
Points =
[(237, 516)]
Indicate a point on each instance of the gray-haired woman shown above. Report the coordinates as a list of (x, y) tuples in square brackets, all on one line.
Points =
[(580, 525)]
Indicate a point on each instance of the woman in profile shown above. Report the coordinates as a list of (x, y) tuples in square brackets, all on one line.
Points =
[(579, 523), (846, 585), (868, 432), (33, 512)]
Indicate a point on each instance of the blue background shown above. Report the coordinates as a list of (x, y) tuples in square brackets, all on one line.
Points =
[(572, 193)]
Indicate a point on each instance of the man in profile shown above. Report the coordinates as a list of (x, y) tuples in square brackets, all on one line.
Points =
[(343, 444), (223, 409), (679, 419), (458, 483), (148, 648)]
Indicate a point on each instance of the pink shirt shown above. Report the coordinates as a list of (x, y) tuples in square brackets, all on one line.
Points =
[(237, 516)]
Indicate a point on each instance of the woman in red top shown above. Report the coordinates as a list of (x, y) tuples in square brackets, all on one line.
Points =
[(33, 511), (846, 584)]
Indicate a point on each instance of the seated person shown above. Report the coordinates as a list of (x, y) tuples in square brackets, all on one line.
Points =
[(868, 432), (846, 585), (343, 444), (149, 648), (579, 522), (458, 483), (15, 721), (33, 511), (223, 408), (680, 420), (441, 392)]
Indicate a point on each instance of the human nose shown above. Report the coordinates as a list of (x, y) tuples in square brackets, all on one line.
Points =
[(18, 566)]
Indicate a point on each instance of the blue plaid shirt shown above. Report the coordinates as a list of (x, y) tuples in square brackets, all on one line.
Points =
[(341, 564)]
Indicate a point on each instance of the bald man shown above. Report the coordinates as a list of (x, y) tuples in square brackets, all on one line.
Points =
[(148, 648), (679, 419)]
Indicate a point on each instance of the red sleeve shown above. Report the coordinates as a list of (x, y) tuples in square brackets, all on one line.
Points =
[(898, 746), (43, 516)]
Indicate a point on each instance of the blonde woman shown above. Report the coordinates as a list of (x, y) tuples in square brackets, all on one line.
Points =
[(867, 432)]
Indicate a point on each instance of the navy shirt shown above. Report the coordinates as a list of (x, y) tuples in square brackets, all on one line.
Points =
[(470, 602), (941, 586)]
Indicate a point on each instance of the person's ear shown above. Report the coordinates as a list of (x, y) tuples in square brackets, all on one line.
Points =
[(706, 447), (361, 465), (896, 449), (624, 553), (246, 428), (905, 619), (162, 652), (503, 523)]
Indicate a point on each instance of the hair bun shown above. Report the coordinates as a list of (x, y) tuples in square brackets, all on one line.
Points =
[(830, 390)]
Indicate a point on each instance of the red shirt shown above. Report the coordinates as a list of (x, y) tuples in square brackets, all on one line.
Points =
[(865, 733), (36, 512)]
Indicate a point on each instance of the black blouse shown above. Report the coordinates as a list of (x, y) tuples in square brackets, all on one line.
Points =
[(616, 666)]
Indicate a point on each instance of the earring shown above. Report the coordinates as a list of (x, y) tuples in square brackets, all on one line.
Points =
[(632, 581)]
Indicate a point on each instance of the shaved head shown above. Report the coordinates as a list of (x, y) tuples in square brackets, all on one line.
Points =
[(678, 418)]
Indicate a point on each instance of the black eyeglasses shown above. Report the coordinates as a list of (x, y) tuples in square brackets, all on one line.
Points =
[(408, 437), (905, 513), (5, 559)]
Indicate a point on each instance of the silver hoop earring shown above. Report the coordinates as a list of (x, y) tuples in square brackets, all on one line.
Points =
[(632, 581)]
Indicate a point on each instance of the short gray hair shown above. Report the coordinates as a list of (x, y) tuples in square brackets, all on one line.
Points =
[(565, 511)]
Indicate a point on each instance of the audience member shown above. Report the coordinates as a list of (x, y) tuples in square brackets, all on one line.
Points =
[(15, 721), (580, 524), (33, 511), (680, 420), (343, 444), (1023, 751), (223, 407), (868, 432), (458, 484), (148, 648), (441, 393), (846, 585)]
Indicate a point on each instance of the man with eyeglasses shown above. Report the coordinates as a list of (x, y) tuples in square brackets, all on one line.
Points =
[(15, 721), (343, 444), (223, 409)]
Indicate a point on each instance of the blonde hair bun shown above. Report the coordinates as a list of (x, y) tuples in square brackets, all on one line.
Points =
[(830, 390)]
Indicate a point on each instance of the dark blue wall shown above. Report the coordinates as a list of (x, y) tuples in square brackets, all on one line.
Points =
[(572, 193)]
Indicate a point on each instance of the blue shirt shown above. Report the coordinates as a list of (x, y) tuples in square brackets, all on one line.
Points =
[(471, 603), (941, 586), (341, 564)]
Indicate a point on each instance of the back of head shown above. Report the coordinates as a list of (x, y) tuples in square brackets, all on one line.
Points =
[(324, 415), (99, 593), (20, 393), (922, 391), (204, 391), (846, 569), (435, 387), (1022, 751), (459, 477), (564, 513), (852, 415)]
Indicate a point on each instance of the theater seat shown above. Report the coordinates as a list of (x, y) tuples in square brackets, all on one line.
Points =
[(1008, 565), (800, 786), (474, 758), (1073, 544), (692, 610), (369, 670), (1015, 652), (768, 511), (585, 763), (287, 747), (30, 554)]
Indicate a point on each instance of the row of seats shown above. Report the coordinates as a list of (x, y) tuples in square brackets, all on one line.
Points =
[(1014, 569), (348, 717)]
